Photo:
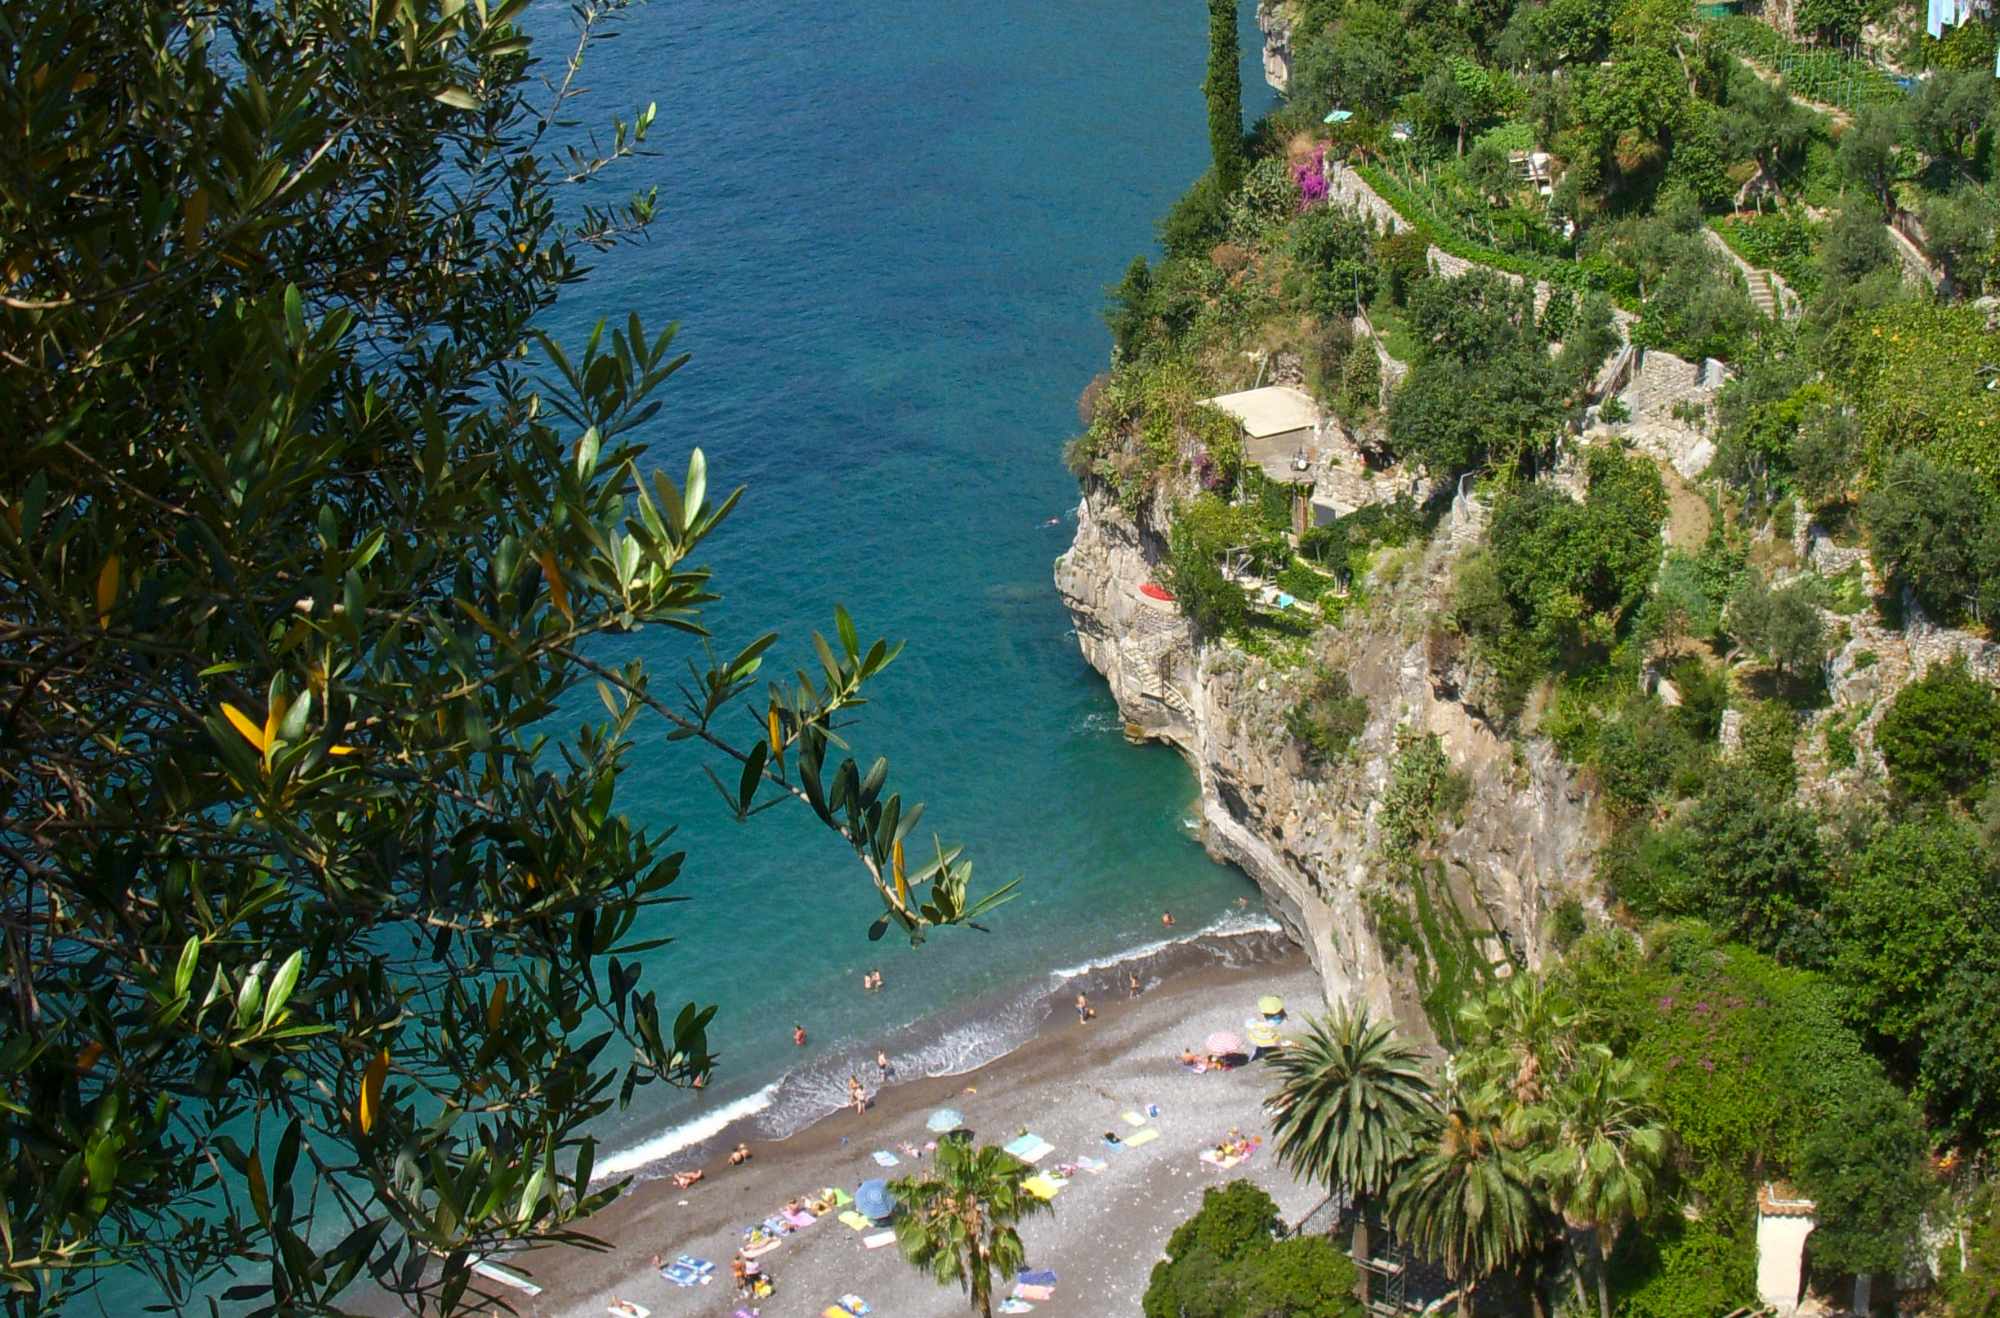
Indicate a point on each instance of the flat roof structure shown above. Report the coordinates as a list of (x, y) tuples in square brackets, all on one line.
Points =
[(1275, 409)]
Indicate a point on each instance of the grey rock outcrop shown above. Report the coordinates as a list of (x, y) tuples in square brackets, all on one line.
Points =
[(1274, 18), (1311, 838)]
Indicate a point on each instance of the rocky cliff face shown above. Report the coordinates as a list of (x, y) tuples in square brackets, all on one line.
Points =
[(1312, 838), (1274, 18)]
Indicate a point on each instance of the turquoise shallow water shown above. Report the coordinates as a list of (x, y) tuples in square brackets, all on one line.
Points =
[(885, 231)]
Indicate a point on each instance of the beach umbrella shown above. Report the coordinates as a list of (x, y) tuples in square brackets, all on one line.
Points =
[(1224, 1044), (945, 1119), (873, 1200), (1271, 1005)]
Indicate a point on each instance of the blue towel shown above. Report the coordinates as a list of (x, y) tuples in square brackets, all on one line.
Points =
[(1035, 1277)]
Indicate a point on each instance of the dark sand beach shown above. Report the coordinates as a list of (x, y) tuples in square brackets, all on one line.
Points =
[(1069, 1085)]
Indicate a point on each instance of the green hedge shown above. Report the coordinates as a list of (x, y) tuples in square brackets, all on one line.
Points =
[(1442, 236)]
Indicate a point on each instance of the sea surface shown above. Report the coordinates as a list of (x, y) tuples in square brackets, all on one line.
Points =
[(885, 230)]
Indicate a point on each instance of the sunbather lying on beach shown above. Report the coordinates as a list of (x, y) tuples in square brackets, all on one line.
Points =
[(684, 1179), (740, 1155)]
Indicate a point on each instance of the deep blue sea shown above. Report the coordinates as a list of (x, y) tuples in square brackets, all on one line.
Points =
[(885, 231)]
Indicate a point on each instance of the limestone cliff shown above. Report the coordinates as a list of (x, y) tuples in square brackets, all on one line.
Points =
[(1274, 18), (1312, 838)]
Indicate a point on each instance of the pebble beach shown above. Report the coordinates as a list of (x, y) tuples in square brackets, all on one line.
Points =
[(1069, 1085)]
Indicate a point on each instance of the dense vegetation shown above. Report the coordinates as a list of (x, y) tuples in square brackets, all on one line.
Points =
[(1802, 865)]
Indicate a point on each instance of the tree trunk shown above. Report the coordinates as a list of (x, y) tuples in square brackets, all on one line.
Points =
[(1465, 1299), (1603, 1273), (1359, 1253)]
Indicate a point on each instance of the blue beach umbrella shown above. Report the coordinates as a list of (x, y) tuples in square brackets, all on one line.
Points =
[(945, 1119), (873, 1200)]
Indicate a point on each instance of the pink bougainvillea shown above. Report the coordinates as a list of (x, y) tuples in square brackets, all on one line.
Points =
[(1311, 176)]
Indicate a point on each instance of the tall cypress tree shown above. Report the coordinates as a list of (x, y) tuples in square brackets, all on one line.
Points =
[(1224, 88)]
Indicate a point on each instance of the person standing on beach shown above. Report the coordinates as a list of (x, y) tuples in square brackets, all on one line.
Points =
[(1082, 1009), (882, 1063), (799, 1035), (1132, 983), (856, 1095)]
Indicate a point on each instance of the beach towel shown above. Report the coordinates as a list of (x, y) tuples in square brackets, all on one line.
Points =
[(1030, 1149), (681, 1276), (1014, 1306), (627, 1309), (1134, 1119), (855, 1305), (505, 1276), (841, 1198), (1043, 1186), (1146, 1136), (763, 1246), (701, 1267), (1036, 1276), (800, 1219), (1214, 1159), (855, 1220), (884, 1158), (879, 1239), (1090, 1164), (1034, 1292)]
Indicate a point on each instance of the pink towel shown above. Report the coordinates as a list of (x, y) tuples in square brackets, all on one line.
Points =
[(1027, 1292)]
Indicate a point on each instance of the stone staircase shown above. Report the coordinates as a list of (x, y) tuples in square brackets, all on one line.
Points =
[(1768, 292)]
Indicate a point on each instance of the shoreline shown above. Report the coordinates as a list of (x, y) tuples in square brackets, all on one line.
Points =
[(1067, 1082), (954, 1041)]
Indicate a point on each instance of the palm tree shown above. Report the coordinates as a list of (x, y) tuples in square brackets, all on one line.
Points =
[(1469, 1202), (1518, 1036), (1604, 1150), (957, 1219), (1349, 1109)]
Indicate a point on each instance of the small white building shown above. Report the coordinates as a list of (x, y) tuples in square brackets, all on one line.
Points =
[(1279, 424), (1784, 1220)]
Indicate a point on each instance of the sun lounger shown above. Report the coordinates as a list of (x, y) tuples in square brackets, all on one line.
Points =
[(884, 1158), (1146, 1136), (505, 1276), (1030, 1149), (879, 1239)]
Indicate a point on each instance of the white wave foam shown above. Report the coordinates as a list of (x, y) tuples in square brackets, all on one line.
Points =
[(1231, 924), (670, 1142)]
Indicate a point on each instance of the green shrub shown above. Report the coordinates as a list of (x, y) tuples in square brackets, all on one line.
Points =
[(1938, 738), (1197, 221), (1566, 924), (1327, 717), (1939, 533), (1758, 863), (1781, 625), (1682, 1269), (1226, 1262)]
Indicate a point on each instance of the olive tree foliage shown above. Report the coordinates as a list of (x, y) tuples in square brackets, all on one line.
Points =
[(317, 906)]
